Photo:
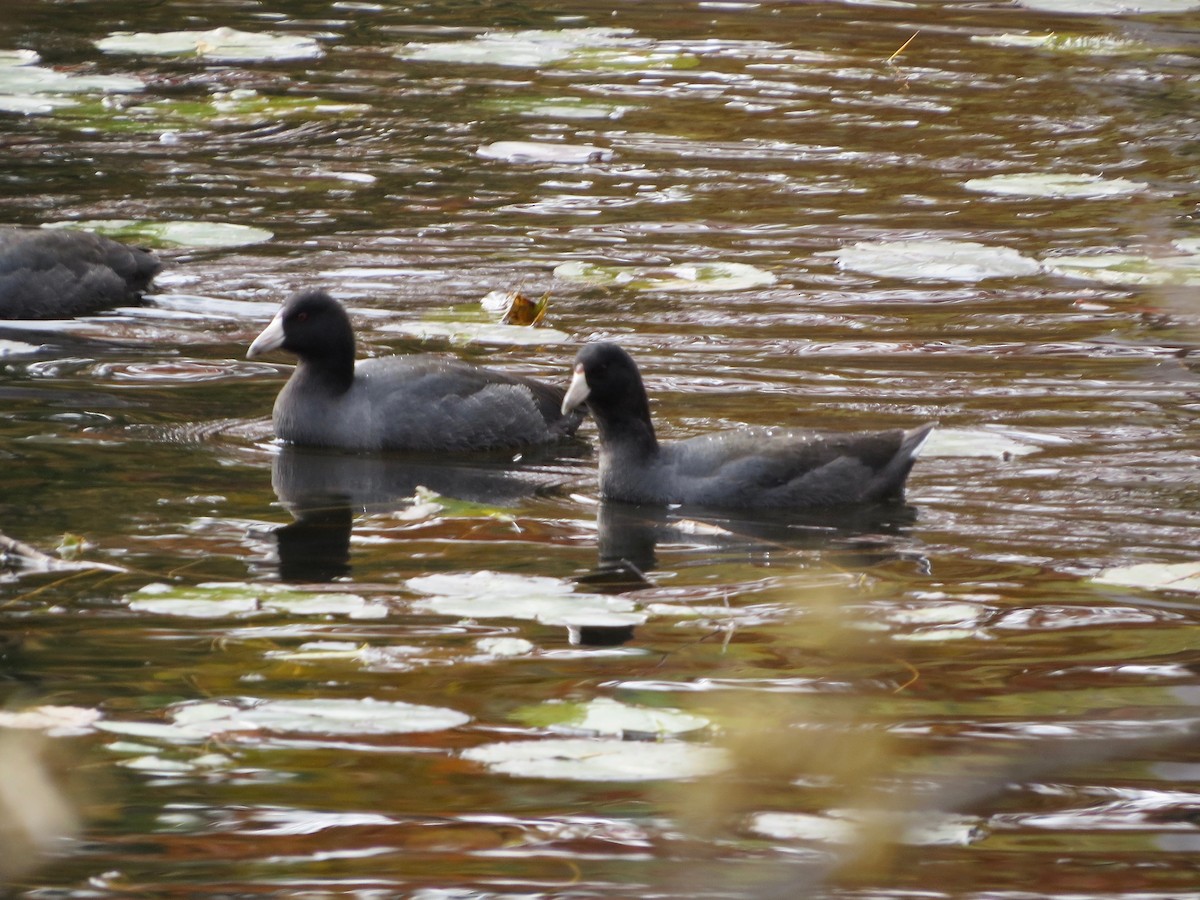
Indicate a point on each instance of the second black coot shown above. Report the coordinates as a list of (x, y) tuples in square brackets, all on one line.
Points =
[(751, 468), (58, 273), (408, 403)]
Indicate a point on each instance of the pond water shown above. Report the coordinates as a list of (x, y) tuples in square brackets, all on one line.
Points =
[(271, 672)]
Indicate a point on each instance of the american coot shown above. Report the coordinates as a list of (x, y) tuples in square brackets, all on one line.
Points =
[(397, 403), (763, 468), (55, 273)]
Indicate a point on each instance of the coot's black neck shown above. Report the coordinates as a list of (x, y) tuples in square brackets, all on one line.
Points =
[(332, 364), (626, 424)]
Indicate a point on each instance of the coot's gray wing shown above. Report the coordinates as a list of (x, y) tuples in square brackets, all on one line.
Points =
[(425, 404), (777, 468)]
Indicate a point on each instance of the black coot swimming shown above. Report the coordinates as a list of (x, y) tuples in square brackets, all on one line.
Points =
[(751, 468), (405, 403), (55, 273)]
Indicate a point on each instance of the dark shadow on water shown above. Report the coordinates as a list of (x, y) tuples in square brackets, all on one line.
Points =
[(324, 490), (629, 535)]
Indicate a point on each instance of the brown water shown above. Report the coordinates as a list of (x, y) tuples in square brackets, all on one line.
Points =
[(956, 661)]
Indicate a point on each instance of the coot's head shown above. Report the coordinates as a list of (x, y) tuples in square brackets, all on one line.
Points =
[(607, 378), (312, 325)]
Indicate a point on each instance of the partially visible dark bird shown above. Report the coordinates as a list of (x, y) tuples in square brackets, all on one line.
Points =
[(751, 468), (413, 403), (57, 273)]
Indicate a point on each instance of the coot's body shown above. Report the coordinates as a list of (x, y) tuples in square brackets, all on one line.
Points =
[(398, 403), (752, 468), (54, 273)]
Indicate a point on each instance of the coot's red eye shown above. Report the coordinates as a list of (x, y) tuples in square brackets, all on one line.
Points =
[(301, 317)]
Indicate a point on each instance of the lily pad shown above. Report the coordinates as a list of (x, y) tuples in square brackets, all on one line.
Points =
[(427, 503), (504, 647), (244, 105), (1114, 267), (502, 595), (687, 278), (218, 44), (200, 235), (975, 442), (581, 759), (1111, 7), (1048, 185), (490, 333), (558, 108), (605, 716), (927, 260), (30, 89), (15, 348), (1154, 576), (321, 651), (1089, 44), (542, 151), (585, 48), (240, 599), (56, 721), (842, 827), (198, 721), (18, 58)]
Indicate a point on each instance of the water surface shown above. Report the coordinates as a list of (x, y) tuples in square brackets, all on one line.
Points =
[(956, 659)]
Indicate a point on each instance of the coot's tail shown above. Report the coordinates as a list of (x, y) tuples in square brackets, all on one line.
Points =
[(888, 484)]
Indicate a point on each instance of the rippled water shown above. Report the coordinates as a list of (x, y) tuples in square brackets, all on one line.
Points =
[(955, 662)]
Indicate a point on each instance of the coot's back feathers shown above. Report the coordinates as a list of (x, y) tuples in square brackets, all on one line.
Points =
[(398, 403), (748, 468), (54, 273)]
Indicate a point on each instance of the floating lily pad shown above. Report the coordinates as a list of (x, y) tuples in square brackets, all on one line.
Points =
[(501, 595), (688, 278), (502, 647), (1046, 185), (56, 721), (172, 234), (1154, 576), (239, 599), (244, 105), (165, 767), (30, 89), (427, 503), (1112, 267), (218, 44), (321, 651), (1090, 44), (540, 151), (18, 58), (558, 108), (490, 333), (934, 260), (605, 716), (15, 348), (585, 48), (581, 759), (975, 442), (190, 113), (1111, 7), (194, 722), (841, 827)]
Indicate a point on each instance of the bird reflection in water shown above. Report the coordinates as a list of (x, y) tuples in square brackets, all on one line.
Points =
[(324, 490), (630, 534)]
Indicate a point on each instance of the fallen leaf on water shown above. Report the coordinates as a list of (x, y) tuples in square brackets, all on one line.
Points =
[(515, 308)]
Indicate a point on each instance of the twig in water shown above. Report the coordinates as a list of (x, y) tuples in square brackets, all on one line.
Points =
[(902, 47)]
